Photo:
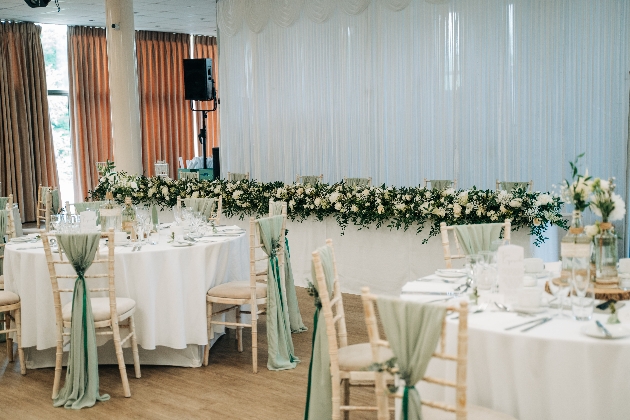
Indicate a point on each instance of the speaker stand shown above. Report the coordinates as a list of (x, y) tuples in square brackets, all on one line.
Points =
[(202, 136)]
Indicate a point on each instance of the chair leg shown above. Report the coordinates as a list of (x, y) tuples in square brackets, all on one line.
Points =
[(121, 362), (7, 324), (134, 347), (239, 330), (346, 397), (18, 326), (206, 353), (254, 338), (58, 364)]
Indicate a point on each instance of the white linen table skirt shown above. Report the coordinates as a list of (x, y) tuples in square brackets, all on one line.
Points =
[(169, 285)]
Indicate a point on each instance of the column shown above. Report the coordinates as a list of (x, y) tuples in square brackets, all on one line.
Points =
[(123, 86)]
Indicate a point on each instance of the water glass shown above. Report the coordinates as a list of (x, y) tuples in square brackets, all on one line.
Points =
[(55, 221), (494, 247), (582, 304), (154, 238), (473, 266)]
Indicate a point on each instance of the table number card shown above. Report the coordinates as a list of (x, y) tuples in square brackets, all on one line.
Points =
[(511, 269), (88, 221)]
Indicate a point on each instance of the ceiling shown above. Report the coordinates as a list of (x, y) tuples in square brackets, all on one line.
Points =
[(184, 16)]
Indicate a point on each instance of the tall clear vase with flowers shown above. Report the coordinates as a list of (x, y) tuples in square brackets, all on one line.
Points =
[(575, 191), (610, 207)]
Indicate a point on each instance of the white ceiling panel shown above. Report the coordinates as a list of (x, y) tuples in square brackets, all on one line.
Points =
[(185, 16)]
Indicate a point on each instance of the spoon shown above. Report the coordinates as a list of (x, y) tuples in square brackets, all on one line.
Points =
[(504, 308)]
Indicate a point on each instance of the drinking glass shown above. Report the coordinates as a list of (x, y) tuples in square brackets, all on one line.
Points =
[(494, 247), (140, 227), (473, 266), (55, 220), (487, 270), (559, 290), (582, 303), (154, 238), (177, 214)]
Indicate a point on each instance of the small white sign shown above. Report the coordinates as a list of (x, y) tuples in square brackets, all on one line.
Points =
[(88, 221)]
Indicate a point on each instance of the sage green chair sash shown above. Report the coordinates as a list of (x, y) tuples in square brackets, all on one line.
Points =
[(56, 207), (357, 182), (203, 205), (82, 385), (319, 389), (440, 184), (295, 318), (92, 205), (413, 331), (475, 238), (511, 186), (310, 179), (279, 342), (4, 221), (3, 202), (237, 177)]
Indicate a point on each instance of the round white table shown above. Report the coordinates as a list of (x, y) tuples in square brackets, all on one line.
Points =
[(552, 372), (169, 285)]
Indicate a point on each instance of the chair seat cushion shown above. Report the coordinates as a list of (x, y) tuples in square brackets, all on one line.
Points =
[(8, 298), (100, 308), (238, 290), (359, 356), (474, 413)]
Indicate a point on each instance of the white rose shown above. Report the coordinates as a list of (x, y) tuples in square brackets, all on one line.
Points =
[(338, 206), (516, 202), (217, 190), (354, 208), (195, 194), (333, 197), (237, 194), (151, 191), (279, 192), (165, 190), (463, 197), (380, 209), (503, 209), (318, 202), (366, 192), (449, 191), (457, 210), (400, 207), (591, 230), (299, 191), (291, 203)]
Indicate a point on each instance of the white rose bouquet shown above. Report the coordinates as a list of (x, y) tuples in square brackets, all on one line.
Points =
[(605, 203), (577, 192)]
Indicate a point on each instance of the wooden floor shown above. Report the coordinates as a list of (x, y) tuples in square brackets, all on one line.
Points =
[(226, 389)]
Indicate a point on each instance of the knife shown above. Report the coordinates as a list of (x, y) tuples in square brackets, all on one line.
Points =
[(430, 293), (523, 324), (603, 329), (544, 320)]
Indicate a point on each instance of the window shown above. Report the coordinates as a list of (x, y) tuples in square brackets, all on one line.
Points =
[(55, 45)]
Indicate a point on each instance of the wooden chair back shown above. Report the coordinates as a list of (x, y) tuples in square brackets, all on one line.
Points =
[(333, 311), (234, 176), (257, 254), (363, 182), (188, 175), (428, 181), (10, 232), (102, 268), (218, 210), (460, 358), (446, 246), (161, 168), (299, 178), (530, 185)]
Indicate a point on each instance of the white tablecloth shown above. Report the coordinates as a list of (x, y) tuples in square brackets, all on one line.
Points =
[(168, 284), (552, 372)]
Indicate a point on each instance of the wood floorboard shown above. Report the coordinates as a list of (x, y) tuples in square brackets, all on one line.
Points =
[(226, 389)]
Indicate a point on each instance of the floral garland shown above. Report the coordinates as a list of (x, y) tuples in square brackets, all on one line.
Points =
[(395, 208)]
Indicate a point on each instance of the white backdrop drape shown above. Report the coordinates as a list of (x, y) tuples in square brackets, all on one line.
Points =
[(402, 90)]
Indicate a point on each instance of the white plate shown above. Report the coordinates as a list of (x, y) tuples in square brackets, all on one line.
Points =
[(450, 273), (181, 244), (539, 275), (617, 331), (525, 310)]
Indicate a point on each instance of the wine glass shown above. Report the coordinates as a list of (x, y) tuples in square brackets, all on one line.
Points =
[(177, 214), (55, 221), (559, 288)]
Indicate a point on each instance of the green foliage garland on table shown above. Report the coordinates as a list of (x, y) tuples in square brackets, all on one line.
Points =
[(392, 207)]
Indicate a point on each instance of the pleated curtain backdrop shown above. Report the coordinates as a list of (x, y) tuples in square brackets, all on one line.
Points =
[(403, 90), (90, 111), (167, 122), (27, 156), (206, 47)]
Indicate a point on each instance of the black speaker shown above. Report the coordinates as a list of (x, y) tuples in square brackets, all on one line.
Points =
[(216, 163), (198, 82)]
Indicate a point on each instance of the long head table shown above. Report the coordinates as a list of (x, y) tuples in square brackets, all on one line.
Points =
[(169, 285)]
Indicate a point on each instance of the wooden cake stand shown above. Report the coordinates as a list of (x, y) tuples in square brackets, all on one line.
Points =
[(600, 292)]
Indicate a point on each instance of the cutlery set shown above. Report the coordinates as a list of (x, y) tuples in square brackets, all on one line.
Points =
[(535, 323)]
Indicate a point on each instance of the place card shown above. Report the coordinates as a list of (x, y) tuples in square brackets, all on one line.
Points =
[(88, 221), (511, 270)]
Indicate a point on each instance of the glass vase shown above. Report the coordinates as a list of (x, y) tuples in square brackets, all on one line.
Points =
[(606, 256), (576, 229)]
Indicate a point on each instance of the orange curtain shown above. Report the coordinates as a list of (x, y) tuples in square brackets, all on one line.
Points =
[(27, 154), (90, 111), (167, 122), (206, 47)]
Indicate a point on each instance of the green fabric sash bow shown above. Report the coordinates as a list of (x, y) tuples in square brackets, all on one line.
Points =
[(440, 184), (237, 177), (413, 331), (476, 238), (81, 388), (319, 389), (511, 186), (3, 202), (56, 207), (310, 180), (357, 182), (295, 318), (203, 205), (280, 345)]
